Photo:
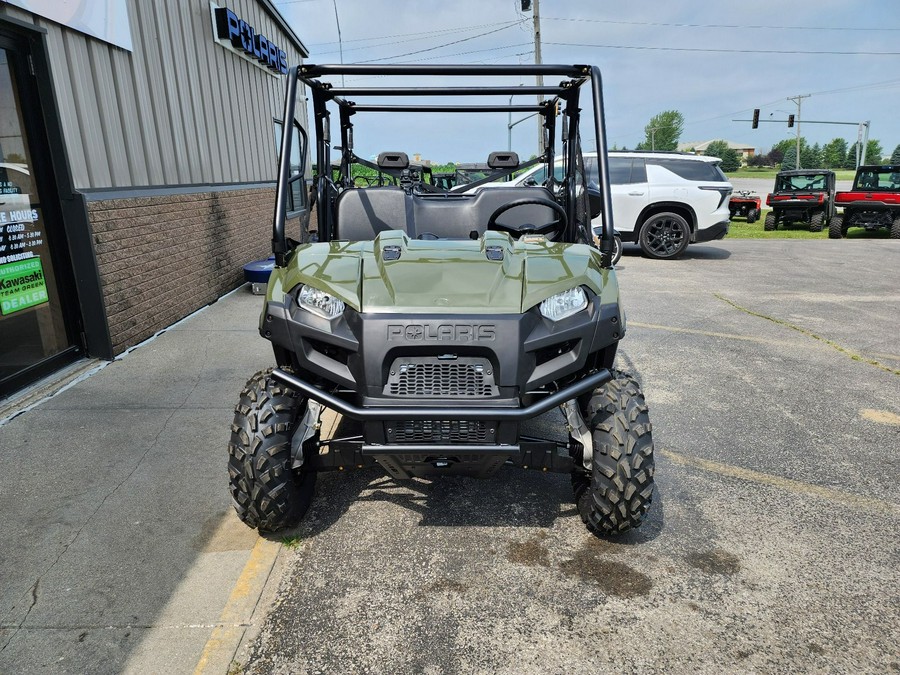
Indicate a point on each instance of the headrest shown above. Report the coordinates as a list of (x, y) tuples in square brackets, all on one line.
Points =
[(393, 160), (503, 160)]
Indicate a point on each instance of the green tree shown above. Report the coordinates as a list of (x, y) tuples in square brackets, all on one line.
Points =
[(758, 160), (790, 158), (895, 155), (834, 153), (850, 159), (873, 152), (731, 160), (811, 158), (663, 131)]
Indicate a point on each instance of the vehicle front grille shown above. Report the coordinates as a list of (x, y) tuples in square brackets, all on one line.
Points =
[(431, 377), (441, 431)]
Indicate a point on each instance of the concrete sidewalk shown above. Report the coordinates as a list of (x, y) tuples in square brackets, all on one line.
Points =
[(119, 548)]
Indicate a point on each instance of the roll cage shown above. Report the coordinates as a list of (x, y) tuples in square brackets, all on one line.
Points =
[(563, 97)]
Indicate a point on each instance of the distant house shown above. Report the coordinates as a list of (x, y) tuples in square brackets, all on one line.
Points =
[(700, 148)]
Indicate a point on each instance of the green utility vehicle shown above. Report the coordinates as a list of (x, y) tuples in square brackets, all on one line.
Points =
[(441, 320)]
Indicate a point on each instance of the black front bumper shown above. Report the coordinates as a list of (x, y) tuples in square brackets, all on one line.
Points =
[(445, 412)]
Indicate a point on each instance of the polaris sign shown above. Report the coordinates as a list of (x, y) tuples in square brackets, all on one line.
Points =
[(233, 32)]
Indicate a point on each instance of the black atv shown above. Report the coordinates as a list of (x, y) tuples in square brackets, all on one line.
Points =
[(801, 196)]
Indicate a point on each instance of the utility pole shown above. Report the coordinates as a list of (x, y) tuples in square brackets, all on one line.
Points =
[(797, 99), (540, 78), (340, 40), (653, 131), (862, 144)]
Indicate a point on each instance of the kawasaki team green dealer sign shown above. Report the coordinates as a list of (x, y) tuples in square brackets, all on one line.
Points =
[(22, 285)]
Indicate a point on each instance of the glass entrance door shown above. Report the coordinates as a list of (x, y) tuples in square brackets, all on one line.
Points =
[(36, 295)]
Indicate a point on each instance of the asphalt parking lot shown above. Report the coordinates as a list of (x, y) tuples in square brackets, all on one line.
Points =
[(771, 544), (773, 377)]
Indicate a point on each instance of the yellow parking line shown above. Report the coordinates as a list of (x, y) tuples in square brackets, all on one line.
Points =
[(880, 416), (795, 486), (235, 617)]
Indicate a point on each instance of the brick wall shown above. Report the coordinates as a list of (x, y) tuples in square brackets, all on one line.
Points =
[(161, 258)]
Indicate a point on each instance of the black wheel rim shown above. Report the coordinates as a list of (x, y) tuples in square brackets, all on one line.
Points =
[(665, 236)]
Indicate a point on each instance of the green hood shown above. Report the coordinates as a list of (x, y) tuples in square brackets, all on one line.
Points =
[(437, 276)]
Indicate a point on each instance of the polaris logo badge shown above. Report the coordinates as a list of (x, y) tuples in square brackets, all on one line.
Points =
[(423, 332)]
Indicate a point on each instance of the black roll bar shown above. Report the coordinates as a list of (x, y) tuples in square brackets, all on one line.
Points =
[(606, 238), (448, 108), (446, 91), (317, 70), (322, 92)]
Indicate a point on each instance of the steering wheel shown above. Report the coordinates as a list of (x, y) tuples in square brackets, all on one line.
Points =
[(555, 227)]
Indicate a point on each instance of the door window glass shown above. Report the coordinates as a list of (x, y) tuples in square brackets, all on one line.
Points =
[(32, 326)]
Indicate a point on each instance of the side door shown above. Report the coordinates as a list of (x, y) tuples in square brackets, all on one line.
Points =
[(628, 184)]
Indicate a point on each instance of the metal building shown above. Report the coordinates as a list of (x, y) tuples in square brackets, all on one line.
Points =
[(137, 167)]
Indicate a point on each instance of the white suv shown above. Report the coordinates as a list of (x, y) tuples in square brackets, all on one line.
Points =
[(661, 200)]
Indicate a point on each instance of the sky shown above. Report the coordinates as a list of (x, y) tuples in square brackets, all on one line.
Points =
[(712, 60)]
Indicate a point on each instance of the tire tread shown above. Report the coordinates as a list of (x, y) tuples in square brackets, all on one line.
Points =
[(267, 494), (618, 494)]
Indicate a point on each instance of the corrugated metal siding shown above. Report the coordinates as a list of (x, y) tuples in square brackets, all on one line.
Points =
[(178, 110)]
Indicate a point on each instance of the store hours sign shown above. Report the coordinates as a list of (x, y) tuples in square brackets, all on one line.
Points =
[(232, 32)]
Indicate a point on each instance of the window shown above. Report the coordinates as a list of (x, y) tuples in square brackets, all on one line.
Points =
[(540, 175), (692, 169), (884, 179), (620, 170)]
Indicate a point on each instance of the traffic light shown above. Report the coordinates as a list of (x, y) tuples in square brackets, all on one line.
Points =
[(526, 5), (790, 120), (756, 118)]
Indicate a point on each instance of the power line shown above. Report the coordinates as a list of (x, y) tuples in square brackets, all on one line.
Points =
[(446, 44), (422, 34), (723, 51), (445, 56), (394, 42), (715, 25)]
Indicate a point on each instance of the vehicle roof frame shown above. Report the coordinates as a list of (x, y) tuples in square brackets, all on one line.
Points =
[(323, 92)]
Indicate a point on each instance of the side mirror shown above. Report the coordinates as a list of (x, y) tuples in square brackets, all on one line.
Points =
[(530, 181), (595, 201)]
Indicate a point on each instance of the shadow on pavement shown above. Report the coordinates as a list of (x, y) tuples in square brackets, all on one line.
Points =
[(512, 497), (693, 252)]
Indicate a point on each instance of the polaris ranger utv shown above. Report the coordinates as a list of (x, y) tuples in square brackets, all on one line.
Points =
[(873, 203), (441, 320), (801, 196)]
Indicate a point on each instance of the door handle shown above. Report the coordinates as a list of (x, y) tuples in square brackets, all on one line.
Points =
[(636, 194)]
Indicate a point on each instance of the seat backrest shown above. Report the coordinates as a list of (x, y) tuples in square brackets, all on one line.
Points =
[(456, 216), (361, 213)]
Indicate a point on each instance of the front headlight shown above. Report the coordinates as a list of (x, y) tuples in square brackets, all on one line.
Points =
[(564, 304), (320, 303)]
